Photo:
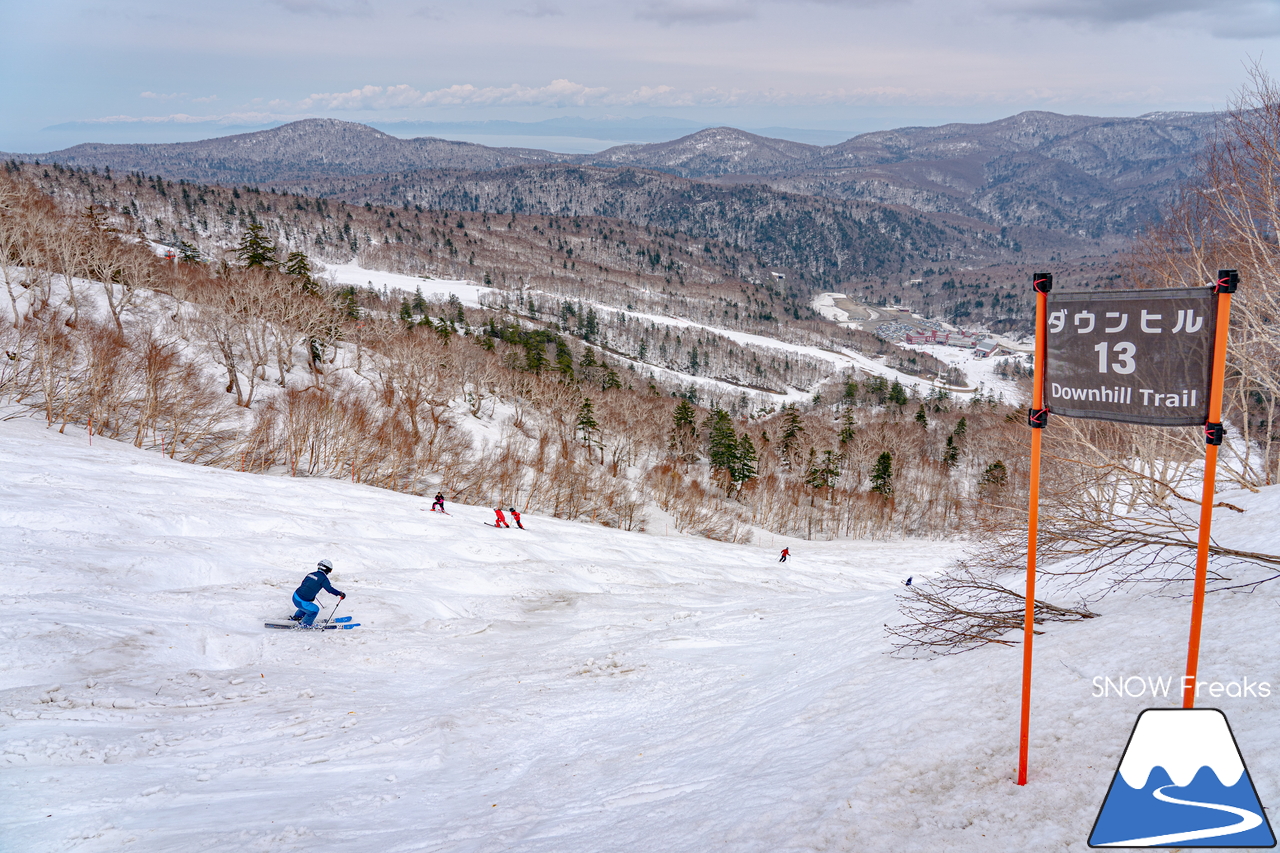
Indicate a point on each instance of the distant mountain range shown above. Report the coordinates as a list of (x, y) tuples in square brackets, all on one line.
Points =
[(1091, 176), (319, 147), (1037, 182)]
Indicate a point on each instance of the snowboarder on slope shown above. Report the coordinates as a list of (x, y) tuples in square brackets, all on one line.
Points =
[(515, 514), (304, 597), (439, 504), (786, 552), (502, 519)]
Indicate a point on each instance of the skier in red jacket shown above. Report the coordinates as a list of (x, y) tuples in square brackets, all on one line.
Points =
[(502, 519), (786, 552), (515, 514)]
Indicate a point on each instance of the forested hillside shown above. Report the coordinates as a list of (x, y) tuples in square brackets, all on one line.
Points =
[(827, 242), (254, 362)]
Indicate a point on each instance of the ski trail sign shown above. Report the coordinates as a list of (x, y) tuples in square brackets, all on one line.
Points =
[(1182, 782), (1138, 357), (1152, 357)]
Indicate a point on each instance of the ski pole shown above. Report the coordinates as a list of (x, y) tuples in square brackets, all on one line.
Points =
[(331, 612)]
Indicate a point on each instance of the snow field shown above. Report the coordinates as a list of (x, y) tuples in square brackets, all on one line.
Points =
[(562, 688), (468, 292), (981, 372)]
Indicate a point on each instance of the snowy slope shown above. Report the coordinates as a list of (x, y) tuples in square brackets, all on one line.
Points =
[(842, 361), (357, 276), (563, 688)]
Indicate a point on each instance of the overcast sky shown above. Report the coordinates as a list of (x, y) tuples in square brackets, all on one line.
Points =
[(851, 65)]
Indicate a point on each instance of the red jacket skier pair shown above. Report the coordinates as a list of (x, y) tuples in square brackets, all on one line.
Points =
[(502, 519)]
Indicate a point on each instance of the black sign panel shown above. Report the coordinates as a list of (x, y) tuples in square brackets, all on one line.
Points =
[(1136, 356)]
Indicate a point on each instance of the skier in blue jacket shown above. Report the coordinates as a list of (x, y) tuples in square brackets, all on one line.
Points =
[(304, 597)]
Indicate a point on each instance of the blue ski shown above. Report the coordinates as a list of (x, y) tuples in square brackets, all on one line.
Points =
[(286, 624)]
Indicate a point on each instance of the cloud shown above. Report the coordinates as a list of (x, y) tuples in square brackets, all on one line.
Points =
[(539, 10), (183, 118), (156, 96), (325, 8), (1224, 18), (566, 93), (209, 99), (671, 12), (557, 93)]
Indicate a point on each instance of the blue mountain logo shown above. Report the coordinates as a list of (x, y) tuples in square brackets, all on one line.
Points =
[(1182, 783)]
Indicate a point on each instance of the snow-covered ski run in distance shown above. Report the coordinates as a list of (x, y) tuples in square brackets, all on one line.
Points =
[(574, 689)]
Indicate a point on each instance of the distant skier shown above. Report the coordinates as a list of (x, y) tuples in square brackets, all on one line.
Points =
[(908, 581), (304, 597), (438, 506), (502, 519), (786, 552), (515, 515)]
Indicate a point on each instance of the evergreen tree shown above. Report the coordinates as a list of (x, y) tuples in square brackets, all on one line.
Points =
[(897, 394), (722, 441), (791, 429), (298, 266), (994, 477), (951, 456), (882, 475), (921, 417), (419, 302), (255, 249), (848, 429), (823, 471), (535, 356), (962, 427), (591, 325), (609, 377), (441, 327), (348, 302), (564, 360), (684, 418), (745, 467), (684, 431), (188, 253), (587, 425)]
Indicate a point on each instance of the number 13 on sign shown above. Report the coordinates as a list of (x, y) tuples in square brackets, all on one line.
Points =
[(1123, 351)]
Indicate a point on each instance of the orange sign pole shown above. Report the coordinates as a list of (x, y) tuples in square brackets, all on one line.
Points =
[(1213, 432), (1036, 417)]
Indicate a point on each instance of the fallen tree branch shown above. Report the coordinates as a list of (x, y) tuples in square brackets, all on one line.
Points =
[(963, 612)]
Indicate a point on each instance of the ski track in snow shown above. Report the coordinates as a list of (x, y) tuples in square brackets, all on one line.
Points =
[(562, 688)]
